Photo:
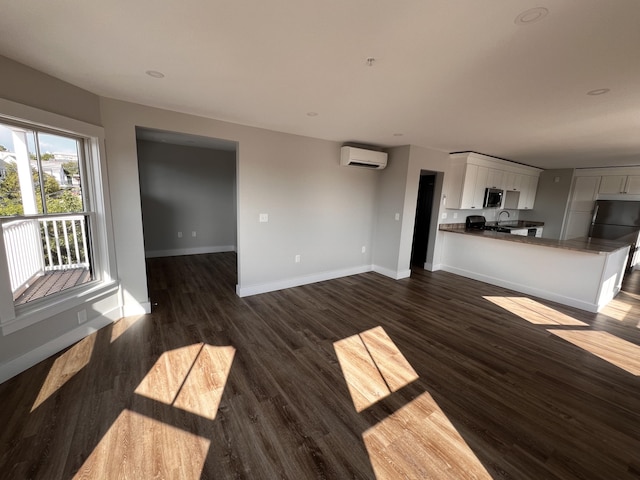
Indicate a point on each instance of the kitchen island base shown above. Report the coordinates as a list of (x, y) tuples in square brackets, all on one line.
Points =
[(583, 279)]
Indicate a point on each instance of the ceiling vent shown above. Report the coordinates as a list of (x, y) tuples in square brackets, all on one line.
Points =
[(360, 157)]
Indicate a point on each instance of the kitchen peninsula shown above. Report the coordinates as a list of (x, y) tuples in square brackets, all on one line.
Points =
[(584, 273)]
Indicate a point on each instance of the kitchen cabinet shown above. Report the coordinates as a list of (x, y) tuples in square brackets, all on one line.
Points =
[(473, 179), (474, 187), (528, 192), (495, 178), (583, 197), (633, 185), (513, 181), (471, 174), (616, 184)]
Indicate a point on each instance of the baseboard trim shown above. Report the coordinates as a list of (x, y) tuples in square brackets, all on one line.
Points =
[(177, 252), (246, 291), (31, 358), (137, 309), (387, 272)]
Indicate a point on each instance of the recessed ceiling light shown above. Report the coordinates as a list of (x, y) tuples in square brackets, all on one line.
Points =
[(531, 16), (154, 74), (598, 91), (312, 114)]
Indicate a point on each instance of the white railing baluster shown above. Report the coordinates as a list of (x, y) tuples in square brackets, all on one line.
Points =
[(66, 241), (30, 251), (24, 252), (57, 239), (45, 232), (83, 226), (75, 241)]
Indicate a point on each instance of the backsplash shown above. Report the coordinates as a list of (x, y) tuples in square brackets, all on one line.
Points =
[(491, 214)]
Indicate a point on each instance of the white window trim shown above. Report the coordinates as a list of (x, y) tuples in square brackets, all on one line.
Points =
[(14, 318)]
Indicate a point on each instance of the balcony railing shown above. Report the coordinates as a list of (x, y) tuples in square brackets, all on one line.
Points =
[(40, 244)]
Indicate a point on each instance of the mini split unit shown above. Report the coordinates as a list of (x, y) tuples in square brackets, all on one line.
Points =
[(360, 157)]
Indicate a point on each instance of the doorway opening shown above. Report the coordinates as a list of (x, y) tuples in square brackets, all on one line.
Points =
[(188, 194), (423, 219)]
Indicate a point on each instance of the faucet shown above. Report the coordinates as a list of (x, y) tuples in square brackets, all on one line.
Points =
[(503, 211)]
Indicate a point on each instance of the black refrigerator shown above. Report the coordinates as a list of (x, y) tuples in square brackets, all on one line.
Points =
[(617, 220)]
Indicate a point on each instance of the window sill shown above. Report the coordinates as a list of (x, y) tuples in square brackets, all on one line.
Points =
[(32, 314)]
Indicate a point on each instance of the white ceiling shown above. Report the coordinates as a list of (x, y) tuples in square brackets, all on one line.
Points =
[(453, 75)]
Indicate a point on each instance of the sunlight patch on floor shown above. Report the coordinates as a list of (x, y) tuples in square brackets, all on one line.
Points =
[(191, 378), (534, 312), (372, 366), (138, 444), (419, 441), (65, 367), (618, 308), (619, 352), (122, 325)]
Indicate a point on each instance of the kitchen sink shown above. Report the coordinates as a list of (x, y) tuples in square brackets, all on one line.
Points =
[(497, 228)]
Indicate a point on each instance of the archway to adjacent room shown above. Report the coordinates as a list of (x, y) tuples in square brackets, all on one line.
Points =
[(188, 194)]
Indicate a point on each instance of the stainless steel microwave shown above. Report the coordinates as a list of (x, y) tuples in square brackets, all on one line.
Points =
[(493, 198)]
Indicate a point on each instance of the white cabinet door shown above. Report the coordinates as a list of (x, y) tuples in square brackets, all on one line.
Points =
[(519, 180), (585, 190), (509, 181), (528, 193), (468, 186), (633, 185), (480, 187), (612, 184), (495, 178), (475, 182)]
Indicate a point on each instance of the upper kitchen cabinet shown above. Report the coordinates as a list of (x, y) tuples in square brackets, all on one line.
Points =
[(513, 181), (620, 184), (495, 178), (528, 192), (473, 179), (472, 173)]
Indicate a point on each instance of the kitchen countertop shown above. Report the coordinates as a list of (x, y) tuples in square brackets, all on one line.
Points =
[(588, 245)]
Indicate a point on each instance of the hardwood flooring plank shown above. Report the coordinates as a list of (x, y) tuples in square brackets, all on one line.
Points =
[(210, 385)]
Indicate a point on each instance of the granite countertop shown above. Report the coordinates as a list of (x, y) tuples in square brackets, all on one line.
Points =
[(588, 245)]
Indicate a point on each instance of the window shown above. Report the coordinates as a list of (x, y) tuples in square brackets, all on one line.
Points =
[(52, 216)]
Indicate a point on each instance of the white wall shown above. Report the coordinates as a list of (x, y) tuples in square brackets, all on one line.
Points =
[(317, 209), (398, 193), (186, 189), (391, 202)]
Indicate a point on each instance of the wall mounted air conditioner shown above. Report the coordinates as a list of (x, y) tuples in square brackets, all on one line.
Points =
[(360, 157)]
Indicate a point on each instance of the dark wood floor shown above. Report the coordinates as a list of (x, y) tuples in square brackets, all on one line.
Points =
[(435, 376)]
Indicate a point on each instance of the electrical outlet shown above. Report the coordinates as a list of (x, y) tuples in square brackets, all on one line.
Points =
[(82, 316), (297, 258), (193, 234), (179, 234), (364, 249), (264, 217), (444, 216), (455, 215), (397, 216)]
